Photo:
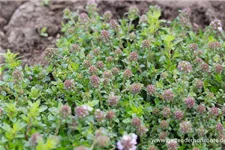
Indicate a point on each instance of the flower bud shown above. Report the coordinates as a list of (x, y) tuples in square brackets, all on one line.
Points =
[(136, 88), (107, 15), (214, 45), (114, 24), (163, 135), (93, 70), (185, 66), (185, 127), (168, 95), (110, 115), (172, 145), (99, 115), (100, 65), (83, 18), (68, 84), (127, 73), (107, 74), (118, 52), (17, 74), (190, 102), (82, 111), (75, 48), (133, 56), (109, 59), (102, 140), (142, 130), (96, 51), (115, 71), (219, 68), (199, 84), (113, 100), (166, 111), (133, 11), (179, 114), (201, 109), (219, 127), (150, 89), (201, 131), (136, 122), (65, 111), (216, 25), (193, 47), (204, 67), (164, 124), (127, 142), (146, 44), (105, 35), (86, 63), (95, 81), (214, 111)]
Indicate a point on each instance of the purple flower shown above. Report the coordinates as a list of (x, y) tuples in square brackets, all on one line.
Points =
[(113, 100), (127, 142), (219, 68), (185, 66), (105, 35), (204, 67), (142, 130), (136, 88), (114, 24), (93, 70), (214, 111), (100, 64), (185, 127), (164, 124), (219, 127), (136, 122), (150, 89), (99, 115), (127, 73), (172, 145), (163, 135), (65, 110), (110, 115), (82, 111), (199, 84), (133, 56), (166, 111), (107, 74), (68, 84), (107, 15), (190, 102), (95, 81), (201, 108), (168, 95), (115, 71), (193, 47), (179, 114), (216, 25), (83, 18)]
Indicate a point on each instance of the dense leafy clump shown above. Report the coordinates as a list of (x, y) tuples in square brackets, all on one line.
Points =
[(118, 85)]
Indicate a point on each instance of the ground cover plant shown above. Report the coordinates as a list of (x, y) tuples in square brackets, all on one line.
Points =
[(118, 84)]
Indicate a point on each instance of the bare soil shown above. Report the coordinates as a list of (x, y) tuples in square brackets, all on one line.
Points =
[(21, 22)]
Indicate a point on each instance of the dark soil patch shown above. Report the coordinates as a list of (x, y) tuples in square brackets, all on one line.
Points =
[(21, 22)]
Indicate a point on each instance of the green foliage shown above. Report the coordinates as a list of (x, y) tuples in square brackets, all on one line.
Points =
[(108, 79)]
